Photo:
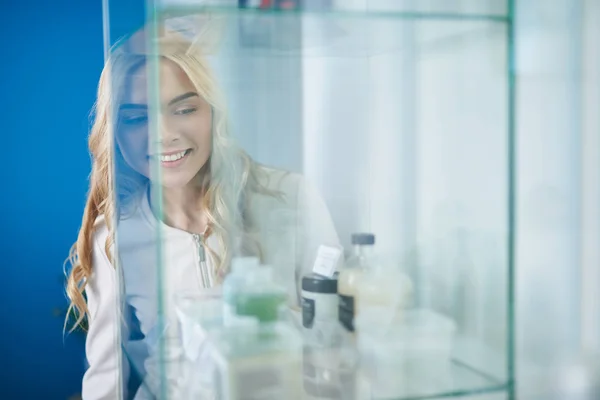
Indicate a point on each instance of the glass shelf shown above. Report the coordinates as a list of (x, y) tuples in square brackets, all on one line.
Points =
[(463, 377), (461, 9), (250, 32), (462, 380)]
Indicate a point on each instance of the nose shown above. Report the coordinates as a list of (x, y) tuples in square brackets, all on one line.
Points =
[(167, 135), (167, 131)]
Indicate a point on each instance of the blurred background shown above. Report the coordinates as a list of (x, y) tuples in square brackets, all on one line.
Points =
[(52, 58)]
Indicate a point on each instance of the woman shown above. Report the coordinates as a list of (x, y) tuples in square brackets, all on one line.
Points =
[(166, 216)]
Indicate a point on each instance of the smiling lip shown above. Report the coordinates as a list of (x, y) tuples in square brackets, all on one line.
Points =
[(172, 159)]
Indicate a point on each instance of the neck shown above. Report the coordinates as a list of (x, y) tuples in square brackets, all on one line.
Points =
[(183, 207)]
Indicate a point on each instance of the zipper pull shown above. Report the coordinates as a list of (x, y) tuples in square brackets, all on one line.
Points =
[(200, 247), (203, 268)]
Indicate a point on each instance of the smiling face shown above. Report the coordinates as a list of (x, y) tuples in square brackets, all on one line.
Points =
[(184, 136)]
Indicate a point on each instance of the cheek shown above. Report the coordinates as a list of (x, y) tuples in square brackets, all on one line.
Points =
[(134, 146), (207, 138), (200, 132), (134, 141)]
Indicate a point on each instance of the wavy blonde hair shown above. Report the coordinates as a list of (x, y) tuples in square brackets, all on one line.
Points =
[(230, 176)]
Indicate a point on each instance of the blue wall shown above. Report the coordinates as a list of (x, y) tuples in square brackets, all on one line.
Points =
[(51, 58)]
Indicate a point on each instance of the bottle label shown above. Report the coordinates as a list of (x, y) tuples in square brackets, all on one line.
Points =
[(327, 261), (346, 312), (308, 312)]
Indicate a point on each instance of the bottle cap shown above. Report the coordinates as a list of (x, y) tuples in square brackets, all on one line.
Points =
[(363, 239), (319, 284)]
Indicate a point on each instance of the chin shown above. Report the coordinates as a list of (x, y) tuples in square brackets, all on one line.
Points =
[(174, 183)]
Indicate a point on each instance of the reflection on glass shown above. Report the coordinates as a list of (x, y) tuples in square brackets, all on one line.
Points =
[(237, 152)]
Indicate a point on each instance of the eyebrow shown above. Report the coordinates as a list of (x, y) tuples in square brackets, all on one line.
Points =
[(182, 97), (174, 100)]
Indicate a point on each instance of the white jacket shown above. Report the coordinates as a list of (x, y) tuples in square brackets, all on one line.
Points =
[(290, 233)]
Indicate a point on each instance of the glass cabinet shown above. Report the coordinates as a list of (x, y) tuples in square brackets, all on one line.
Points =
[(259, 146)]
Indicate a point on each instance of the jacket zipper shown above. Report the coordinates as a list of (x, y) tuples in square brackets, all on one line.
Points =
[(201, 255)]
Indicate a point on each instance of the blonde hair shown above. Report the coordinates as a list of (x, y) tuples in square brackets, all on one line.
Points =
[(230, 177)]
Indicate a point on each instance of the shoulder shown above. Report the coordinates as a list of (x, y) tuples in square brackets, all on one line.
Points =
[(278, 179), (291, 185), (101, 285), (99, 241), (297, 193)]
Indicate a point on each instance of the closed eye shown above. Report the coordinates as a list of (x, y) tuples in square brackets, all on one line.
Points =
[(185, 111), (134, 119)]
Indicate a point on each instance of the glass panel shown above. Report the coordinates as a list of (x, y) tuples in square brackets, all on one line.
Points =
[(277, 133), (127, 109)]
